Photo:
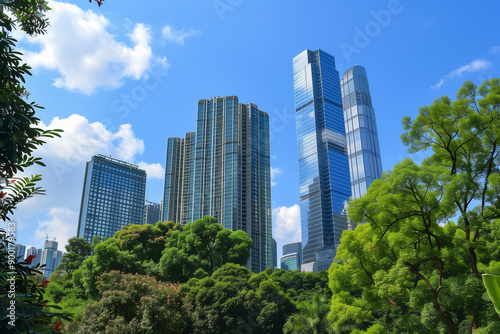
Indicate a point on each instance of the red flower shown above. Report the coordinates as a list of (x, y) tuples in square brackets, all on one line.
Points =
[(30, 258), (57, 325), (12, 181), (45, 283), (2, 194)]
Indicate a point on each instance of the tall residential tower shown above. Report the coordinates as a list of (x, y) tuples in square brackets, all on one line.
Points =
[(362, 138), (225, 173), (113, 196), (322, 152)]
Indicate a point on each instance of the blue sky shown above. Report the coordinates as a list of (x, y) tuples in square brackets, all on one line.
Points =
[(122, 78)]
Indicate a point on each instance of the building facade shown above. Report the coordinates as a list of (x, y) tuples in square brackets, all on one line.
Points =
[(37, 253), (225, 173), (51, 257), (324, 178), (292, 256), (20, 251), (152, 213), (365, 162), (113, 196), (179, 173)]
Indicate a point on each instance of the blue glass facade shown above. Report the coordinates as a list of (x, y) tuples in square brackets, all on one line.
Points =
[(322, 152), (230, 173), (113, 196), (362, 138)]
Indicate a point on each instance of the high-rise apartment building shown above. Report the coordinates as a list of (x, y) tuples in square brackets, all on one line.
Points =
[(113, 196), (324, 178), (362, 139), (292, 256), (225, 173), (179, 173), (152, 213)]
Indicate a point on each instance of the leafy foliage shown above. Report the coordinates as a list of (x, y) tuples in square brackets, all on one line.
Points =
[(410, 268), (200, 248), (133, 304)]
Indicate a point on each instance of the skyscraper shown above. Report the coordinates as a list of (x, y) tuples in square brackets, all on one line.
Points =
[(179, 173), (225, 174), (113, 196), (152, 213), (20, 251), (322, 152), (362, 139), (51, 257)]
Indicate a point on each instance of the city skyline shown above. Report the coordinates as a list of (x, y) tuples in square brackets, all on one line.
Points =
[(122, 88)]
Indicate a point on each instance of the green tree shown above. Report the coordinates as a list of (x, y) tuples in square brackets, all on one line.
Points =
[(234, 300), (132, 304), (77, 250), (200, 248), (311, 317), (410, 260)]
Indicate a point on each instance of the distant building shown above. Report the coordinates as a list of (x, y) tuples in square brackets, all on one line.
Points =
[(20, 251), (152, 213), (37, 253), (113, 196), (179, 173), (223, 170), (365, 162), (275, 254), (292, 256), (324, 178), (51, 257)]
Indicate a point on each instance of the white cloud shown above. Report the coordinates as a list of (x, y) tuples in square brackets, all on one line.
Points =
[(62, 224), (81, 140), (494, 49), (178, 36), (286, 224), (274, 173), (87, 56), (154, 171), (438, 85), (474, 66)]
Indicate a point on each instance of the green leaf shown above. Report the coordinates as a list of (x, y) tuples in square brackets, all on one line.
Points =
[(492, 284)]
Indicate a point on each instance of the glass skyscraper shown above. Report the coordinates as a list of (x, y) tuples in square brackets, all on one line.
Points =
[(229, 173), (362, 139), (113, 196), (152, 213), (322, 152)]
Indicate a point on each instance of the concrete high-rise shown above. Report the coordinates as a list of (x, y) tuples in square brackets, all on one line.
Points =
[(362, 137), (113, 196), (225, 173), (179, 173), (324, 178), (152, 213)]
